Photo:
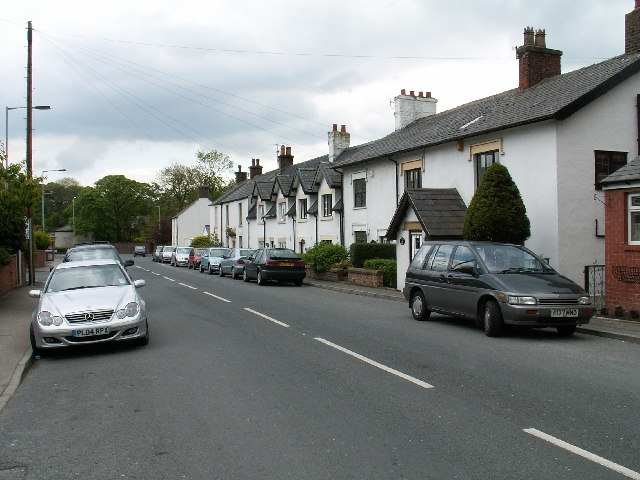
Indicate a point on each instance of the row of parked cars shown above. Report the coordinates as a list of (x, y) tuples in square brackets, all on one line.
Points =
[(89, 298), (262, 264)]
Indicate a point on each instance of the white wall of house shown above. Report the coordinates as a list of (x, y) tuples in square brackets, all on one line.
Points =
[(193, 221), (380, 204), (608, 123), (328, 227), (305, 228), (403, 248)]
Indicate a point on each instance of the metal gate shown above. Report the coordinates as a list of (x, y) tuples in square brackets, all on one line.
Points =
[(594, 283)]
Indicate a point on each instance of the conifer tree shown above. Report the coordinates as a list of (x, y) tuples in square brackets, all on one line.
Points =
[(496, 212)]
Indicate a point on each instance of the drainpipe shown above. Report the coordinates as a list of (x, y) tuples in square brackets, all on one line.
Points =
[(397, 188)]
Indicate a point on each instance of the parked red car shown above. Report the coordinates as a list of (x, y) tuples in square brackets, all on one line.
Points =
[(194, 258)]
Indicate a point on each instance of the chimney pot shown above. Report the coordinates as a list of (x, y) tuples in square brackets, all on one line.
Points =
[(335, 127), (427, 94), (412, 93), (288, 150), (404, 91), (540, 39), (343, 128)]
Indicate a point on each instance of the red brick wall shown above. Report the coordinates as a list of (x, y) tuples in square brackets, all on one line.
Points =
[(619, 253), (9, 275), (365, 277)]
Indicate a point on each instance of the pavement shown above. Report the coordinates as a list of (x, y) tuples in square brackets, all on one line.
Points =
[(16, 308)]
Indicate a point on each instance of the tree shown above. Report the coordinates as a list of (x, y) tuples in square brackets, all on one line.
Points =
[(57, 199), (212, 167), (115, 209), (496, 212), (17, 194), (180, 183)]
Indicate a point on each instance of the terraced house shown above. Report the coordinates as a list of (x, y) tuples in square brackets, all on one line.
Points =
[(559, 135)]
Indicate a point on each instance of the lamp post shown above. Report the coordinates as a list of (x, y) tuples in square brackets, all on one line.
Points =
[(43, 177), (73, 213), (6, 128)]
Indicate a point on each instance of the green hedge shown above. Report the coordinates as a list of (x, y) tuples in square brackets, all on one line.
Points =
[(42, 240), (360, 252), (202, 241), (389, 269), (322, 256)]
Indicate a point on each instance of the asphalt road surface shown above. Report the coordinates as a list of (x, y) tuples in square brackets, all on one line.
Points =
[(241, 381)]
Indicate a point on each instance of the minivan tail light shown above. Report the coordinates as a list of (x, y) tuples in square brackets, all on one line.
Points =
[(299, 264), (271, 262)]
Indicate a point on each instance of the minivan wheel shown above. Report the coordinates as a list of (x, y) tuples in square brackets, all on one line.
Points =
[(566, 330), (493, 322), (419, 306)]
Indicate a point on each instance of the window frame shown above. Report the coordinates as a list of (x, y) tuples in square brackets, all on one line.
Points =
[(479, 170), (416, 181), (632, 210), (302, 208), (604, 171), (359, 192), (327, 205)]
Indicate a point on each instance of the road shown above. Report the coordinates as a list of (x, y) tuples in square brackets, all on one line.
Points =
[(279, 382)]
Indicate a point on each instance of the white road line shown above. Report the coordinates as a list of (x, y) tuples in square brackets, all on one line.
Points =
[(376, 364), (583, 453), (216, 296), (170, 279), (278, 322), (188, 286), (155, 273)]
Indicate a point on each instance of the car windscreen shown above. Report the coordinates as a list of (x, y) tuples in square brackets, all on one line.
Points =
[(244, 252), (90, 276), (184, 250), (91, 254), (218, 252), (510, 258), (282, 255), (168, 249), (199, 251)]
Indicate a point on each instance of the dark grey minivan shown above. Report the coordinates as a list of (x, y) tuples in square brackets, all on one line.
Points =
[(495, 284)]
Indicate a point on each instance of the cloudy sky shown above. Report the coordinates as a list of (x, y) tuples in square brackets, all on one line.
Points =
[(137, 85)]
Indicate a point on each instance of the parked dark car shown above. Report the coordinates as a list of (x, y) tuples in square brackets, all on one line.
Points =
[(94, 251), (495, 284), (194, 258), (281, 264), (210, 259), (233, 262)]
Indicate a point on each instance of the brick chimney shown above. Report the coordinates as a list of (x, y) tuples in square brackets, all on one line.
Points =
[(409, 108), (338, 141), (537, 62), (240, 175), (632, 30), (285, 159), (255, 169), (203, 192)]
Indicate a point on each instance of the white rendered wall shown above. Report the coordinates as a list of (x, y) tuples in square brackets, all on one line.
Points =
[(608, 123), (190, 222)]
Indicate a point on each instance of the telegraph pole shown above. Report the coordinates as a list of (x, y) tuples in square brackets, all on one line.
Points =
[(32, 267)]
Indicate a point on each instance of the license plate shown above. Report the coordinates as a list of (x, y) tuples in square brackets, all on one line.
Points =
[(572, 312), (286, 264), (90, 332)]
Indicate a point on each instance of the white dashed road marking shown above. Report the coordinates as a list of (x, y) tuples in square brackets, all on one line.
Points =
[(216, 296), (583, 453), (376, 364), (278, 322)]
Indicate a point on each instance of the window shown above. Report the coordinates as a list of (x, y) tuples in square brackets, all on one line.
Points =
[(607, 163), (327, 205), (634, 219), (439, 259), (419, 257), (282, 211), (412, 178), (360, 193), (239, 242), (302, 207), (483, 161), (360, 236), (282, 244), (416, 242), (240, 214), (261, 213), (463, 258), (226, 211)]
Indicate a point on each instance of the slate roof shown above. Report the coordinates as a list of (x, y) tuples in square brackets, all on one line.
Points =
[(333, 178), (630, 173), (554, 98), (440, 212)]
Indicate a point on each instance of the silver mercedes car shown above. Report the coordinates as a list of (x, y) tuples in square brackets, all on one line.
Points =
[(88, 302)]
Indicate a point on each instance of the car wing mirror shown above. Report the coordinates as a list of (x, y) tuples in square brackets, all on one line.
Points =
[(35, 293), (128, 263), (467, 269), (139, 283)]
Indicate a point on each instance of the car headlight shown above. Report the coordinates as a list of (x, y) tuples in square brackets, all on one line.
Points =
[(130, 310), (515, 300), (584, 301), (46, 319)]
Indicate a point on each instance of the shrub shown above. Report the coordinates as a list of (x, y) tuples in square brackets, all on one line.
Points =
[(322, 256), (201, 242), (5, 256), (496, 212), (387, 266), (42, 240), (365, 251)]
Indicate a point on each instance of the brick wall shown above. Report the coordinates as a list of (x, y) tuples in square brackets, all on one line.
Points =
[(619, 253), (365, 277), (9, 275)]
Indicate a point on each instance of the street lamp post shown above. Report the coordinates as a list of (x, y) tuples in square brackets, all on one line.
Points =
[(6, 128), (73, 215), (43, 177)]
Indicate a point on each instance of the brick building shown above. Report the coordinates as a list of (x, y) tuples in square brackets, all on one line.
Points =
[(622, 242)]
